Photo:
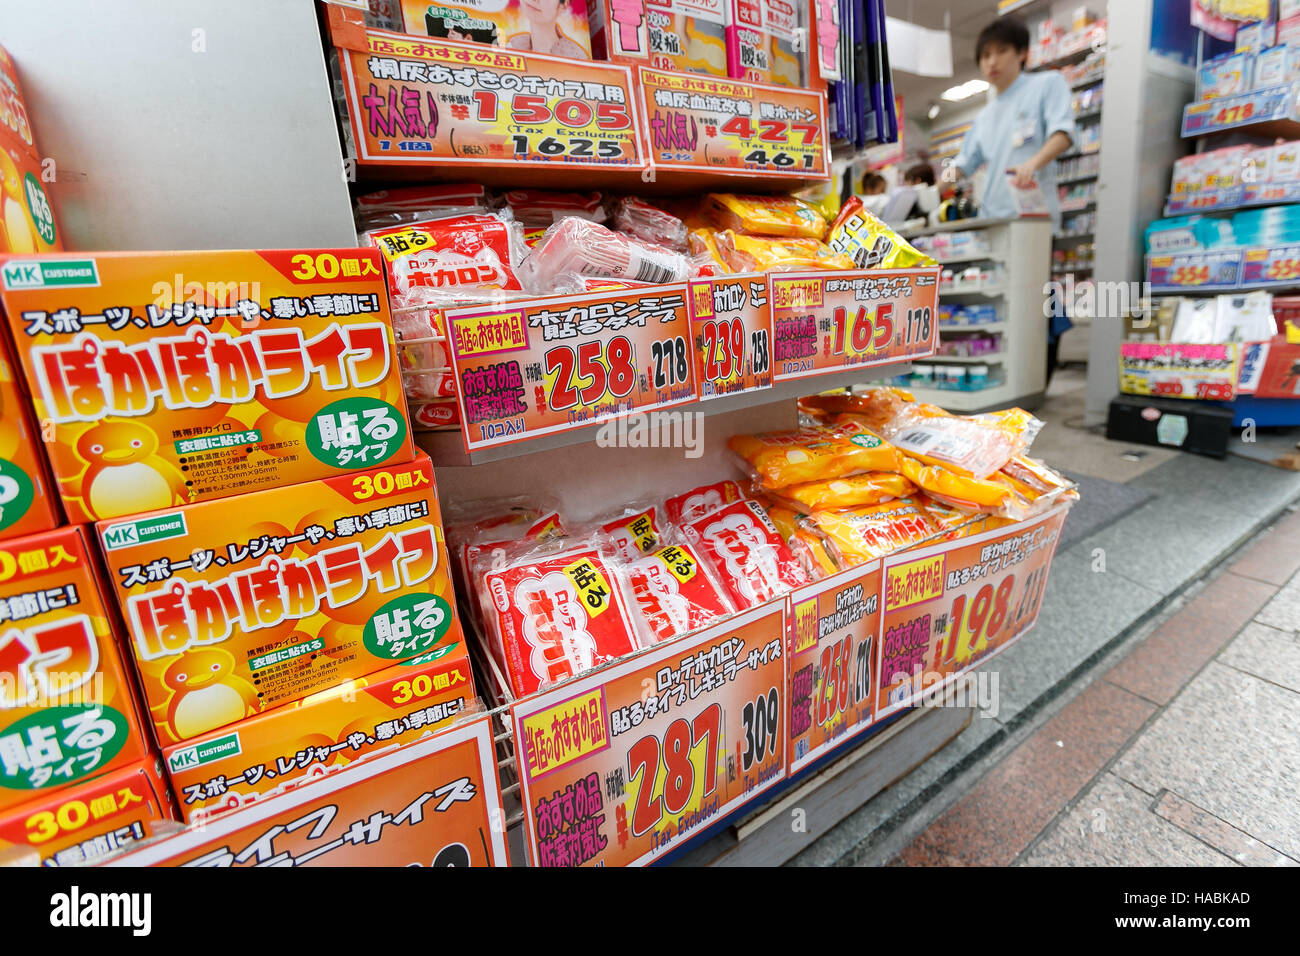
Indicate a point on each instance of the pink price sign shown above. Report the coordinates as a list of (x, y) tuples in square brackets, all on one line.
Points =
[(831, 321), (948, 608), (731, 328)]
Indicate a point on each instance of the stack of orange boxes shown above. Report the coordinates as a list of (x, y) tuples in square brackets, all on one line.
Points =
[(233, 425)]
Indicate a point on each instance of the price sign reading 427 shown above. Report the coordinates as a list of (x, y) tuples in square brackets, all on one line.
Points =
[(706, 122), (830, 321), (432, 101), (732, 334), (950, 607), (625, 765), (540, 366)]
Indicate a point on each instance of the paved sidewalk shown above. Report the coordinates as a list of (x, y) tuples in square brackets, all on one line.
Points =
[(1185, 752)]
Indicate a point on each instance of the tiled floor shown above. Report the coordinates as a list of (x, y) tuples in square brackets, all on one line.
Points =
[(1185, 752)]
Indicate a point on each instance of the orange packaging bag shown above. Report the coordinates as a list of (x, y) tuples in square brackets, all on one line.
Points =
[(959, 491), (68, 709), (28, 502), (872, 409), (781, 459), (744, 253), (169, 378), (766, 215), (857, 535), (282, 747), (869, 488), (81, 824), (806, 545), (239, 605)]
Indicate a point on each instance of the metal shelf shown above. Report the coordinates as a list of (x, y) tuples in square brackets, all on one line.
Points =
[(987, 257), (1088, 80), (1090, 114), (967, 359), (1076, 179), (990, 291), (971, 327)]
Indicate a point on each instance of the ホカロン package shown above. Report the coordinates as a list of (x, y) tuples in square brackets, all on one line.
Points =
[(177, 377), (27, 500), (83, 823), (239, 605), (558, 27), (233, 766), (67, 705)]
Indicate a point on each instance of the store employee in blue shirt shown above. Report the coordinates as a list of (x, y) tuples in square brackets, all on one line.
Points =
[(1027, 125)]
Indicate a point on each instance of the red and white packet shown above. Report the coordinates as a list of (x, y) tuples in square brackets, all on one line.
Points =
[(746, 552)]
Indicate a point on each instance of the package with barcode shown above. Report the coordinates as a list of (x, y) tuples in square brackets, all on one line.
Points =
[(574, 249), (671, 592), (976, 445)]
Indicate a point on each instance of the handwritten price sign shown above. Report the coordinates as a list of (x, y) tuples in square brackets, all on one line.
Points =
[(830, 321), (710, 123), (1179, 370), (950, 607), (833, 632), (1276, 265), (731, 326), (437, 102), (623, 766), (542, 366), (1195, 270), (1227, 112)]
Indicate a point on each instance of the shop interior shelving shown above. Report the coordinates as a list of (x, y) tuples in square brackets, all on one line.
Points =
[(1018, 369)]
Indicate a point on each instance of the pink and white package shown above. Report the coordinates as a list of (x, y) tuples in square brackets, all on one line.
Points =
[(575, 249), (747, 553), (454, 259)]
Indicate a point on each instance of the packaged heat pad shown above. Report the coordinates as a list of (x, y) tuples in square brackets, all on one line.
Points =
[(673, 593), (459, 258), (857, 535), (574, 249), (745, 551), (555, 616), (684, 508), (871, 244), (781, 459)]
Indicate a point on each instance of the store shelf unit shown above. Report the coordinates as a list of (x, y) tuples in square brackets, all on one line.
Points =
[(1269, 112), (1022, 247), (1246, 196), (1224, 270)]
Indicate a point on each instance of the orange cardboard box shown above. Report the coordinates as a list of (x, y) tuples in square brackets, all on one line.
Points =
[(285, 746), (86, 822), (67, 704), (27, 501), (242, 604), (169, 378), (26, 217)]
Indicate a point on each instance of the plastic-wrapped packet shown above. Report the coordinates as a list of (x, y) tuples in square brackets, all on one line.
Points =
[(389, 207), (975, 445), (781, 459), (859, 535), (872, 408), (684, 508), (649, 223), (782, 216), (867, 488), (749, 557), (956, 522), (743, 253), (441, 415), (805, 545), (575, 249), (672, 592), (556, 614), (972, 495), (480, 523), (450, 260), (636, 531), (869, 243), (706, 257), (541, 207)]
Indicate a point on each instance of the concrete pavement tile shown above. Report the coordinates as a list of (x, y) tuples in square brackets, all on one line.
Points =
[(1275, 554), (1168, 541), (1230, 743), (1082, 610), (1223, 836), (1266, 652), (1198, 477), (1006, 810), (1181, 645), (1283, 612), (857, 826), (1113, 826)]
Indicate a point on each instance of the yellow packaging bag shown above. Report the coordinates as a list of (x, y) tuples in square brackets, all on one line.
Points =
[(869, 488), (959, 491), (766, 215), (781, 459), (871, 244), (872, 409), (761, 254), (857, 535)]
